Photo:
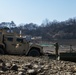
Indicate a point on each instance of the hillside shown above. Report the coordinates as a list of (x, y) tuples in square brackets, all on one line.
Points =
[(49, 30)]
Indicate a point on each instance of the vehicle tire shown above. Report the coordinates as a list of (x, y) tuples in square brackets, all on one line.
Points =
[(34, 52), (1, 51)]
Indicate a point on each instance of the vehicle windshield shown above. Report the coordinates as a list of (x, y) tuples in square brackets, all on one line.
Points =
[(10, 39)]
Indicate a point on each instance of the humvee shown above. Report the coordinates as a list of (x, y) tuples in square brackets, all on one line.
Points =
[(12, 43)]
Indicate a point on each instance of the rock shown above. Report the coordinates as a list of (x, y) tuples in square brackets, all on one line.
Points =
[(21, 73), (8, 65), (35, 66), (41, 63), (36, 61), (68, 73), (15, 61), (43, 73), (46, 67), (74, 74), (73, 69), (21, 70), (4, 68), (1, 61), (14, 67), (38, 70), (31, 72), (27, 65), (1, 65), (1, 72), (53, 71), (42, 66)]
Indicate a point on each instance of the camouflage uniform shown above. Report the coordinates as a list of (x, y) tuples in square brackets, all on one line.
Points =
[(56, 48)]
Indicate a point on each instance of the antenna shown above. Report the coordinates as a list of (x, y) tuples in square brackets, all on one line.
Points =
[(20, 33)]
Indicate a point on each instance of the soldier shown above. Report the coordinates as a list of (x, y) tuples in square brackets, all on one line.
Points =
[(71, 49), (56, 48)]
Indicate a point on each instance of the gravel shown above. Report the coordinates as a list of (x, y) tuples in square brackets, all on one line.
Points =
[(23, 65)]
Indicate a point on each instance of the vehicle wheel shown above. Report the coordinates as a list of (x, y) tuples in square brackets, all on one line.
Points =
[(1, 51), (34, 52)]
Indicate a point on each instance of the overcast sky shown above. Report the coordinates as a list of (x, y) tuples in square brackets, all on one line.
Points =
[(27, 11)]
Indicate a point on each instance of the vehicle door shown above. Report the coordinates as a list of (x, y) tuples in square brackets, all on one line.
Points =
[(21, 45), (9, 44)]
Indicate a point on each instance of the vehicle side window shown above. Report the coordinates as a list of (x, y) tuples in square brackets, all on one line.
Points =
[(10, 39), (0, 32), (19, 40)]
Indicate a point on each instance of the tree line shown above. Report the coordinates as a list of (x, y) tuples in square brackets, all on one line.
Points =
[(50, 30)]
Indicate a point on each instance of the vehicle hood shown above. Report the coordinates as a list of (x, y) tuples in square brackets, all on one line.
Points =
[(36, 45)]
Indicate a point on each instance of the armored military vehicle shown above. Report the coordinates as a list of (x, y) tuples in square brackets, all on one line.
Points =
[(12, 43)]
